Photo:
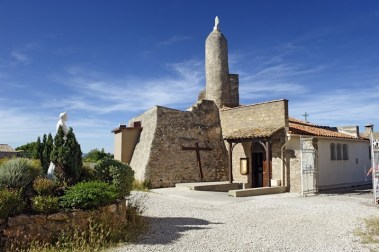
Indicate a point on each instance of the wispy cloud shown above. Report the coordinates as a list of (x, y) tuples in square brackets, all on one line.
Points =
[(173, 40), (97, 93), (339, 107), (20, 57)]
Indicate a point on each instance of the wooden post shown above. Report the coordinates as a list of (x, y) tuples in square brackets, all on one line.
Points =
[(230, 163)]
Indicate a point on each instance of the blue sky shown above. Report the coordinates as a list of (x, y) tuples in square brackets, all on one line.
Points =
[(108, 61)]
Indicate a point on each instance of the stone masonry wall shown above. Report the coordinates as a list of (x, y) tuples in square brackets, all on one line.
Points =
[(167, 163), (141, 154), (273, 113), (294, 173), (45, 227), (268, 114), (278, 139), (234, 90)]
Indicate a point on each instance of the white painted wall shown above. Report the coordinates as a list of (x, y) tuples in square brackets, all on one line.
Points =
[(340, 172), (337, 173)]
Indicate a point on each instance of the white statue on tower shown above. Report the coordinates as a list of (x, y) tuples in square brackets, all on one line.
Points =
[(217, 22), (61, 122)]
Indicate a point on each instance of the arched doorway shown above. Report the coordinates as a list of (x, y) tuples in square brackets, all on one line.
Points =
[(260, 166)]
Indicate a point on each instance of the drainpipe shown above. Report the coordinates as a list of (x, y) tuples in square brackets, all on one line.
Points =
[(283, 170)]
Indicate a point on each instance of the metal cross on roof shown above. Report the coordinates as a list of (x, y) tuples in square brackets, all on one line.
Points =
[(306, 116)]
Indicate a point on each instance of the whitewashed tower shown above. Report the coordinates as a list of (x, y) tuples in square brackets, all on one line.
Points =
[(221, 87)]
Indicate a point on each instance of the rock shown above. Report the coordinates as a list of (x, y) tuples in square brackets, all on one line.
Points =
[(38, 219), (14, 231), (34, 229), (56, 227), (58, 217), (18, 220), (111, 208)]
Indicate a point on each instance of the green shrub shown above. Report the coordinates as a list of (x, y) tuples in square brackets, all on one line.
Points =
[(44, 186), (87, 173), (16, 173), (11, 203), (87, 195), (3, 160), (35, 167), (114, 172), (45, 204)]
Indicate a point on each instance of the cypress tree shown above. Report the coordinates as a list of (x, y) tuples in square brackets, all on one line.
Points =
[(66, 156), (37, 149), (43, 156), (47, 149)]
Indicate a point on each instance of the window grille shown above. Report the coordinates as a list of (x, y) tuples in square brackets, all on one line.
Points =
[(332, 151), (345, 152), (339, 152)]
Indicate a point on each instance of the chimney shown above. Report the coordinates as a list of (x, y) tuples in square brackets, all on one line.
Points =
[(369, 128)]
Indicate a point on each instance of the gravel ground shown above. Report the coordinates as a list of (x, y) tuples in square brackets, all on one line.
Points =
[(210, 221)]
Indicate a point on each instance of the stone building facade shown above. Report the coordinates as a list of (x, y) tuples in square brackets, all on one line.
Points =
[(165, 152), (218, 139), (256, 133)]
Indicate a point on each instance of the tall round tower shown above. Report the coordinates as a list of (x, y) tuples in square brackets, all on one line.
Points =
[(216, 67)]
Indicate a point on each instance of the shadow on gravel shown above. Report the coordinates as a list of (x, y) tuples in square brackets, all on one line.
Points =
[(167, 230), (365, 190)]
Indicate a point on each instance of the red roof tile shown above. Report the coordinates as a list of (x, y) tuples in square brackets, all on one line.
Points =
[(303, 128)]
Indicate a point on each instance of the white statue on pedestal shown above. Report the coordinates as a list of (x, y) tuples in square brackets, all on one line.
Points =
[(62, 122), (217, 22)]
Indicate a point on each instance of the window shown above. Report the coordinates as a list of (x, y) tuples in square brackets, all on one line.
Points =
[(345, 152), (332, 151), (339, 152)]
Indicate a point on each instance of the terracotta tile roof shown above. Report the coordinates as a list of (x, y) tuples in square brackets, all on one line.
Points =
[(303, 128), (252, 133), (6, 148)]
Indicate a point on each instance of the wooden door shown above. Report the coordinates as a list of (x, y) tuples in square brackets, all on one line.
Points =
[(266, 173), (257, 167)]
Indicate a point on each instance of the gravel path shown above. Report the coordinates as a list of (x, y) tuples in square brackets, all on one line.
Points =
[(209, 221)]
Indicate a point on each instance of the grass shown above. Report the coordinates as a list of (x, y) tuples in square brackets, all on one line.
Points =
[(369, 233), (143, 186)]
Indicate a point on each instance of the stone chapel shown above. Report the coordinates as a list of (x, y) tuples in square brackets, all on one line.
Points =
[(218, 139)]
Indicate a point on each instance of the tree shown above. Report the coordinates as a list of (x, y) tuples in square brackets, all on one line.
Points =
[(96, 155), (27, 149), (37, 150), (66, 156), (48, 145)]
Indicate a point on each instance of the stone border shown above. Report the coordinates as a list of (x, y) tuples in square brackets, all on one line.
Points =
[(45, 227)]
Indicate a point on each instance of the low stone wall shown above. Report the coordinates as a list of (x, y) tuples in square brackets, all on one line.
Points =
[(46, 227)]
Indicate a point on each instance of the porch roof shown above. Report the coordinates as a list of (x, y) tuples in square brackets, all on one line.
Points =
[(252, 133)]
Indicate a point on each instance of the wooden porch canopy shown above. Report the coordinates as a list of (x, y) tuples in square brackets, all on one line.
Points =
[(261, 135)]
